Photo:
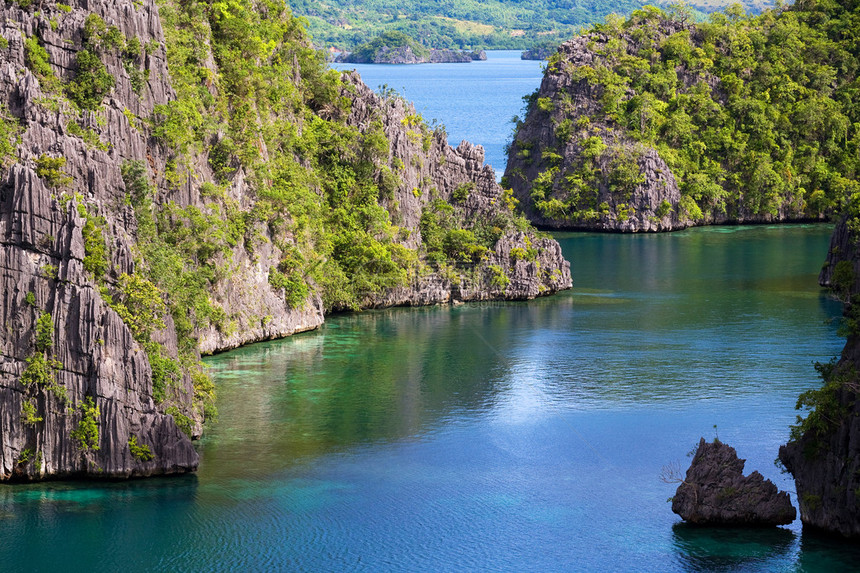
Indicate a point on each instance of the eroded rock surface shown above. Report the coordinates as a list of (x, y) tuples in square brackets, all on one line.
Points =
[(715, 492)]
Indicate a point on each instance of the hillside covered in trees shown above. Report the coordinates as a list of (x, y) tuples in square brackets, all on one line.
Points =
[(465, 24), (656, 122), (189, 177)]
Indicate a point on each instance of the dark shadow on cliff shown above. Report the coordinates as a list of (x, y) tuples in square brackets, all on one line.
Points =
[(729, 549)]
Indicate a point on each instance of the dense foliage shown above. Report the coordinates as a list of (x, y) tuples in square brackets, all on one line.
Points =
[(754, 115), (465, 24), (317, 184)]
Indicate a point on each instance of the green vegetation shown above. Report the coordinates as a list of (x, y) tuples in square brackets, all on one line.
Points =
[(140, 452), (465, 24), (29, 413), (92, 81), (36, 58), (89, 135), (10, 137), (461, 192), (25, 456), (498, 278), (761, 119), (170, 253), (44, 332), (50, 169), (95, 248), (826, 410), (86, 433), (444, 238), (40, 371), (184, 422)]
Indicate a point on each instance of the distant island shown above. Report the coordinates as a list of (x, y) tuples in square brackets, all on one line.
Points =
[(399, 48), (539, 52)]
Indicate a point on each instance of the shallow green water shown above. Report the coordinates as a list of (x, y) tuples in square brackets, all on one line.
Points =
[(485, 437)]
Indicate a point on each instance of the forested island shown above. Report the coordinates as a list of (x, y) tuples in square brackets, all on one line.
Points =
[(658, 123), (398, 48)]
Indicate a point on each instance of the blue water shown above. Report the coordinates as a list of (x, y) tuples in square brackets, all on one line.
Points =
[(475, 101), (485, 437)]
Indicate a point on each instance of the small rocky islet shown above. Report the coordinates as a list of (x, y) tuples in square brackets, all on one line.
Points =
[(714, 491)]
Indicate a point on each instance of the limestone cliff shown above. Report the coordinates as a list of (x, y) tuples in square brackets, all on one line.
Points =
[(147, 217), (87, 354), (657, 124), (823, 454)]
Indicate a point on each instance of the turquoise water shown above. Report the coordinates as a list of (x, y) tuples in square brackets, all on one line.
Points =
[(475, 101), (485, 437)]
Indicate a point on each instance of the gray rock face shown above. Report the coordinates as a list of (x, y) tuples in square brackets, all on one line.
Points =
[(541, 53), (91, 355), (715, 492)]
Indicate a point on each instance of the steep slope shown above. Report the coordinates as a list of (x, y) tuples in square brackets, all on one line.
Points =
[(823, 453), (187, 178), (655, 124)]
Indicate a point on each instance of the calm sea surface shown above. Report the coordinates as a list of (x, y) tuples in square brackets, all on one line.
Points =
[(475, 101), (486, 437)]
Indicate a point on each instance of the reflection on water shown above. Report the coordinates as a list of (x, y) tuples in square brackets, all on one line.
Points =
[(502, 436), (727, 549)]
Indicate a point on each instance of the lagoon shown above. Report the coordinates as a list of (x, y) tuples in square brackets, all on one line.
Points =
[(485, 437)]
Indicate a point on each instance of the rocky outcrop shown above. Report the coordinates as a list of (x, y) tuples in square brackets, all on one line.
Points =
[(715, 492), (824, 452), (520, 266), (89, 355), (572, 167), (97, 380), (406, 55)]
